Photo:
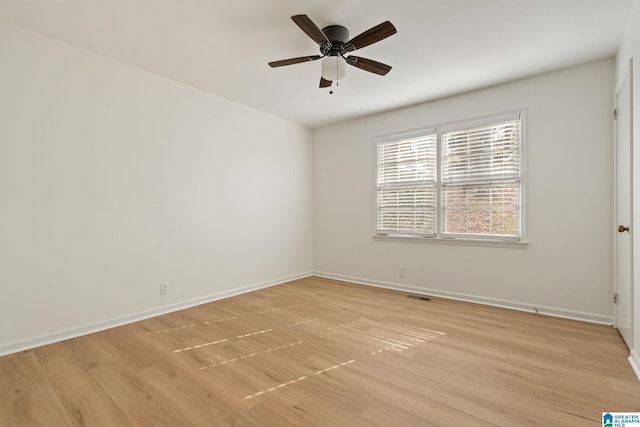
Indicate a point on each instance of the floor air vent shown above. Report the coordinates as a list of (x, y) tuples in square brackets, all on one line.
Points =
[(420, 297)]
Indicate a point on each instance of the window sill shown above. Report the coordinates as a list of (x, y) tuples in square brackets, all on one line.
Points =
[(460, 242)]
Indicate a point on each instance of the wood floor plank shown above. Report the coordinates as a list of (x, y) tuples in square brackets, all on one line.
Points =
[(406, 399), (139, 400), (274, 414), (320, 352), (26, 396), (84, 400), (190, 397), (382, 414), (92, 350)]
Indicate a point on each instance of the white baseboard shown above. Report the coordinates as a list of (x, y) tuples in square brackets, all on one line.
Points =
[(549, 311), (38, 341), (634, 360), (134, 317)]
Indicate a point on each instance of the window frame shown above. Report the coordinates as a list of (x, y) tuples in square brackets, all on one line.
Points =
[(449, 238)]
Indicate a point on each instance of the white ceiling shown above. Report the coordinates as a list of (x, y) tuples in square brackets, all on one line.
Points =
[(442, 47)]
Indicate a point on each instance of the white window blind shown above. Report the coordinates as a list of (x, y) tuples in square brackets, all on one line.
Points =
[(480, 177), (406, 186), (460, 180)]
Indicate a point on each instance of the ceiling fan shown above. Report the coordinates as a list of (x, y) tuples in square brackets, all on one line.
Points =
[(335, 45)]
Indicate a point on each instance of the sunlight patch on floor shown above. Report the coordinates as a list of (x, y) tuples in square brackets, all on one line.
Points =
[(279, 386), (200, 345), (225, 362)]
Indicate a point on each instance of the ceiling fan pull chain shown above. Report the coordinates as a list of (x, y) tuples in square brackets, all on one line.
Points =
[(331, 90), (337, 81)]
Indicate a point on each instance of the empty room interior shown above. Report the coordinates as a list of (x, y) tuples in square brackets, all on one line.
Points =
[(427, 220)]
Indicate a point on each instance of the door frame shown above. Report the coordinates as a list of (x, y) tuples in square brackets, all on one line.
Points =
[(627, 75)]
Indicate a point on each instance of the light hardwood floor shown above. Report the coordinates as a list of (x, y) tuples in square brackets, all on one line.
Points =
[(318, 352)]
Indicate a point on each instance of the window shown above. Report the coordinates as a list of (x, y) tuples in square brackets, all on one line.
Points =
[(460, 180), (407, 186)]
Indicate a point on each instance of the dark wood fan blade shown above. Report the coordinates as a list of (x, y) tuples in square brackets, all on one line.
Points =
[(325, 83), (292, 61), (307, 25), (372, 35), (369, 65)]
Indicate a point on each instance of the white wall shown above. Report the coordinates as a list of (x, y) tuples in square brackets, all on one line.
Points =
[(630, 49), (113, 180), (567, 267)]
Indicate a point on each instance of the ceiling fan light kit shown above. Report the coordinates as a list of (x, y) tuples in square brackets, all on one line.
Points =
[(334, 68), (335, 45)]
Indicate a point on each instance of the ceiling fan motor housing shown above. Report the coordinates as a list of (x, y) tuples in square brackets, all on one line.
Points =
[(338, 36)]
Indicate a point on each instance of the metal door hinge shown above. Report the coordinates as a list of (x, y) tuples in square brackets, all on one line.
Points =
[(615, 114), (615, 298)]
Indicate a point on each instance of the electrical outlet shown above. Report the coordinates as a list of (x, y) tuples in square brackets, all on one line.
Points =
[(164, 288), (401, 271)]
